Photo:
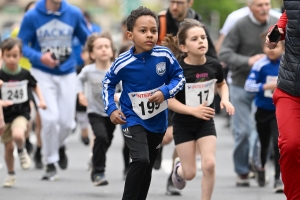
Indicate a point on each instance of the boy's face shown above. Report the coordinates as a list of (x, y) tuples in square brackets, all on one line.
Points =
[(144, 34), (274, 54), (102, 50), (11, 57)]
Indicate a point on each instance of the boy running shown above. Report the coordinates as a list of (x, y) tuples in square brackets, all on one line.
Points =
[(150, 75)]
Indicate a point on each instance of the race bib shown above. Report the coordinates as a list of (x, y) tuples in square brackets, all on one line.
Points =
[(142, 107), (15, 91), (198, 93), (270, 79)]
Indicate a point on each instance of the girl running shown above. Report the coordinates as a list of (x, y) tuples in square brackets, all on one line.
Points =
[(100, 49), (194, 106)]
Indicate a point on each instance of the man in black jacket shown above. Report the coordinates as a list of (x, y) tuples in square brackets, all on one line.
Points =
[(169, 21), (179, 10)]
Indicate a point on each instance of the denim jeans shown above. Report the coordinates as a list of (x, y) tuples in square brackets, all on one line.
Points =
[(242, 125)]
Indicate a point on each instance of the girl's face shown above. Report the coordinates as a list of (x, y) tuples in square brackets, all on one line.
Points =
[(196, 42), (102, 50)]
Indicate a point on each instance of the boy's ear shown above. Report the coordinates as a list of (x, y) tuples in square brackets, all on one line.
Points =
[(129, 35)]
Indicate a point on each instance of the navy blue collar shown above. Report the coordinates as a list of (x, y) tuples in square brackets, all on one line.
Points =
[(141, 55)]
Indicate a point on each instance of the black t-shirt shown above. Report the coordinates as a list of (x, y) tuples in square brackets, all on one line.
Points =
[(212, 69), (17, 109)]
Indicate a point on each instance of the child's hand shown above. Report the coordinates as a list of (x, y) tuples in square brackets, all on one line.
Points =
[(117, 117), (229, 107), (270, 86), (1, 83), (83, 100), (6, 103), (157, 97), (203, 112), (42, 105)]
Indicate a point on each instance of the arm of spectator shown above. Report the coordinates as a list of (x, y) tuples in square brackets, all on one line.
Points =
[(229, 48)]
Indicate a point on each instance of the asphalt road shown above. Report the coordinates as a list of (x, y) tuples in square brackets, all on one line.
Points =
[(74, 183)]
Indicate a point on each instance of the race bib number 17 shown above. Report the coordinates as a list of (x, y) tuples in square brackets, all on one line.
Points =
[(142, 107), (197, 93), (15, 91)]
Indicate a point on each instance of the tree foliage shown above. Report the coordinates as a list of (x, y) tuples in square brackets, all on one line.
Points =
[(223, 7)]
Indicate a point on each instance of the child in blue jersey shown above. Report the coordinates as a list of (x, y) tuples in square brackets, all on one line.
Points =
[(193, 123), (150, 75), (263, 80)]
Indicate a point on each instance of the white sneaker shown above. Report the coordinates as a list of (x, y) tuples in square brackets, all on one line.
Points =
[(25, 160), (9, 181)]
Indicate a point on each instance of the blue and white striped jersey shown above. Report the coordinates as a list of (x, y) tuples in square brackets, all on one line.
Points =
[(141, 73), (263, 71)]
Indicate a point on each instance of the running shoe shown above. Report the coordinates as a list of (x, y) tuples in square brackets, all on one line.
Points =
[(278, 186), (261, 177), (242, 181), (50, 174), (99, 179), (25, 160), (178, 182), (38, 160), (171, 189), (9, 181), (63, 159)]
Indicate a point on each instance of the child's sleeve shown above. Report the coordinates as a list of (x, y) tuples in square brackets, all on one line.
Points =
[(252, 84), (109, 83), (81, 79), (176, 77)]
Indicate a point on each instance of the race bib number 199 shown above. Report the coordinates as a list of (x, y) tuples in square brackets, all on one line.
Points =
[(15, 91), (142, 107), (197, 93)]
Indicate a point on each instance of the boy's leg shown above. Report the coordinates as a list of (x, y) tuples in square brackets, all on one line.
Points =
[(18, 130), (137, 141), (103, 137), (9, 157), (154, 147), (207, 148)]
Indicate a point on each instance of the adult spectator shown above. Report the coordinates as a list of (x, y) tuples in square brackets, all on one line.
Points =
[(240, 50), (287, 100)]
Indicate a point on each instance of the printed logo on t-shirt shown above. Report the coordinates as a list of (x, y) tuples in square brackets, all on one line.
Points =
[(161, 68), (56, 37)]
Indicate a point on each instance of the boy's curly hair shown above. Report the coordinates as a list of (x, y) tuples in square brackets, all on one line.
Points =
[(141, 11)]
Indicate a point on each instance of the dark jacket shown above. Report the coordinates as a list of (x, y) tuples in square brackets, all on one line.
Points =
[(289, 72), (172, 28)]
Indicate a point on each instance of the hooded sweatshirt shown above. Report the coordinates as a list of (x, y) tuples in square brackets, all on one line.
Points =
[(43, 31)]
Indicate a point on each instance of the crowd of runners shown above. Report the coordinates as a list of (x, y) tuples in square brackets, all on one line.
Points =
[(162, 81)]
